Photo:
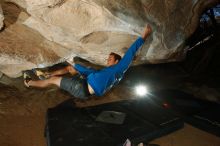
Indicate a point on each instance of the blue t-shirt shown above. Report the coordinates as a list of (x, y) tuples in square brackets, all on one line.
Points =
[(102, 80)]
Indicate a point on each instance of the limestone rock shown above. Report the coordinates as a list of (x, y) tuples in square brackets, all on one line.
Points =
[(1, 18)]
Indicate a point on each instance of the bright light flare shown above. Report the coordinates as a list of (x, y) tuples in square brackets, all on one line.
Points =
[(141, 90)]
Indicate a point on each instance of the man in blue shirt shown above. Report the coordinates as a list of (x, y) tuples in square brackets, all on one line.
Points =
[(91, 81)]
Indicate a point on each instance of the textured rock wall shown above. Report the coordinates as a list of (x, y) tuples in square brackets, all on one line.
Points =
[(1, 18), (91, 29), (23, 48), (91, 26)]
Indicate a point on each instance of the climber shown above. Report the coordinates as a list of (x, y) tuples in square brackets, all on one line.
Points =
[(90, 81)]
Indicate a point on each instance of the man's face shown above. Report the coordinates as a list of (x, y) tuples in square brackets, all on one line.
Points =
[(111, 60)]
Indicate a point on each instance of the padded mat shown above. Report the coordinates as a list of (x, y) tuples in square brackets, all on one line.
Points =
[(140, 121)]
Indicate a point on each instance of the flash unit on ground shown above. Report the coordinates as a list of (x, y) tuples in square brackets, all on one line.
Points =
[(141, 90)]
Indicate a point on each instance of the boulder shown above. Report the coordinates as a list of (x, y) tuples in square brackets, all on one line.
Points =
[(23, 48), (91, 29), (94, 28)]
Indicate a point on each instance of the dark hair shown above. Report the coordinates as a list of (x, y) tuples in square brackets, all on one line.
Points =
[(116, 56)]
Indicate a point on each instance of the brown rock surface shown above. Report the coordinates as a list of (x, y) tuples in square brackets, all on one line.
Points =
[(1, 18)]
